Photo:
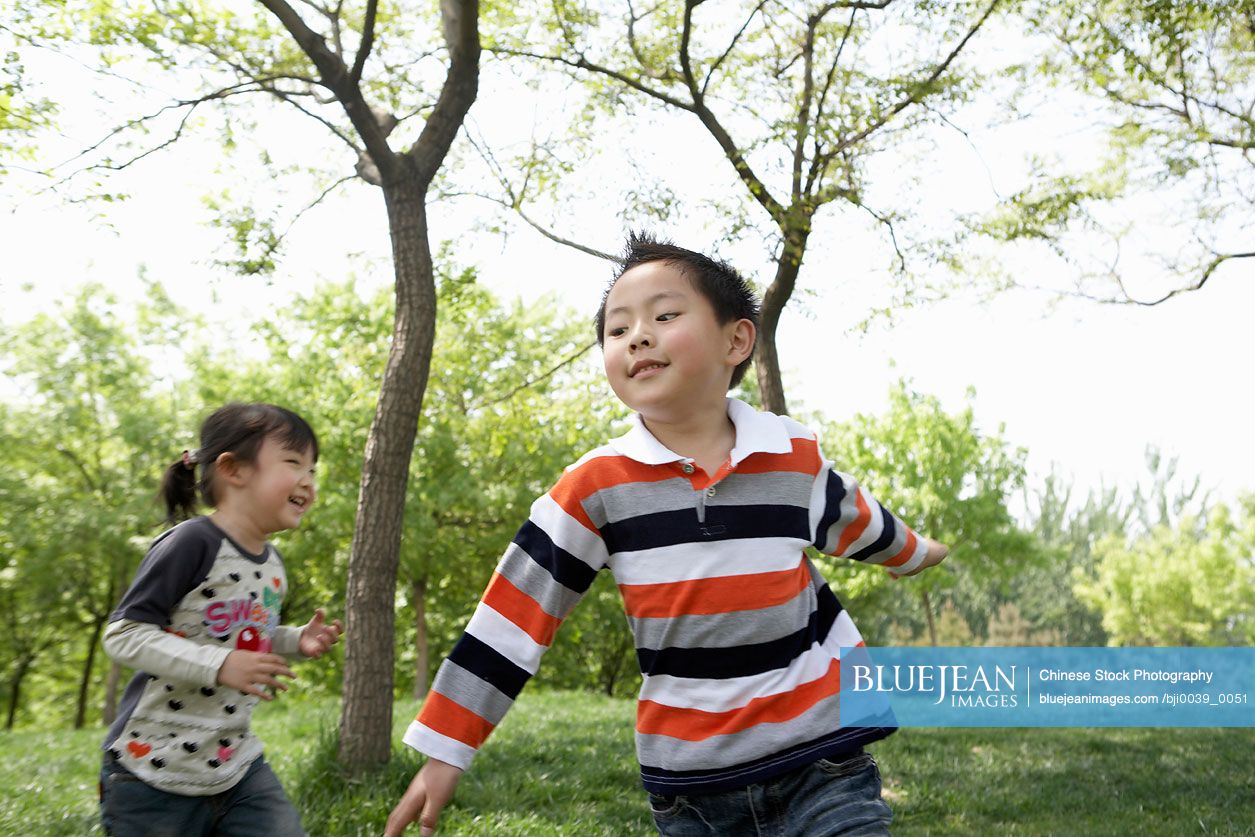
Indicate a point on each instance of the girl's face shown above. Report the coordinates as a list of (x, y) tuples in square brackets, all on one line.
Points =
[(278, 486)]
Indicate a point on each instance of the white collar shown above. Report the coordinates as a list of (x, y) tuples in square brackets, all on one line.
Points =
[(756, 432)]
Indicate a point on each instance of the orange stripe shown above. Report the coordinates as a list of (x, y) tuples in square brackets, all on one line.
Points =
[(855, 527), (723, 594), (697, 725), (906, 553), (803, 459), (453, 720), (600, 472), (521, 609)]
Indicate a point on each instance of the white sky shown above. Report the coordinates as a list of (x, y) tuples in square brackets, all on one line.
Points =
[(1085, 386)]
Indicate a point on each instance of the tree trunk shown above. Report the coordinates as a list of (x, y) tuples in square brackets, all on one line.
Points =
[(928, 614), (418, 592), (766, 357), (109, 712), (370, 601), (84, 681), (15, 690)]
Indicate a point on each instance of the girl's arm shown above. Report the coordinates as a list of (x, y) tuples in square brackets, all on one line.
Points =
[(145, 647)]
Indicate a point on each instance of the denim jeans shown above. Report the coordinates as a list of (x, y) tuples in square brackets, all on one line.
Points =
[(255, 807), (824, 798)]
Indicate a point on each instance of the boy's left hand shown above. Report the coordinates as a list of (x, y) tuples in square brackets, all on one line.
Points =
[(937, 553), (318, 635)]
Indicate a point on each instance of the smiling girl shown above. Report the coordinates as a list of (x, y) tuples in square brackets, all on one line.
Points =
[(200, 625)]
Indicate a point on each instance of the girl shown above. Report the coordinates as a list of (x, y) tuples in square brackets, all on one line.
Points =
[(200, 625)]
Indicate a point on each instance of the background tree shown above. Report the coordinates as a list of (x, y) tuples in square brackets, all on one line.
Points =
[(316, 60), (1172, 88), (1191, 584), (797, 97), (947, 480)]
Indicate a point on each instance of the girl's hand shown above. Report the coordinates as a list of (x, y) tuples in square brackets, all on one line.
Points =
[(937, 553), (252, 671), (431, 789), (318, 636)]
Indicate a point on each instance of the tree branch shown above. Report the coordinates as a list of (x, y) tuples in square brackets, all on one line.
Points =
[(731, 45), (336, 77), (368, 40), (582, 63), (730, 149), (533, 381), (457, 94), (920, 89)]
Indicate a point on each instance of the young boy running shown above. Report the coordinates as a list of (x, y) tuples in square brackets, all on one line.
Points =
[(702, 512)]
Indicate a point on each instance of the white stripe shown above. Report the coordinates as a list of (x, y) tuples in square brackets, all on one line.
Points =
[(434, 745), (568, 533), (819, 502), (689, 561), (725, 695), (875, 525), (505, 637), (917, 557)]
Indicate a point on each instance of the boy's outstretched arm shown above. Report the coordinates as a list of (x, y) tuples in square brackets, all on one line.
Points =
[(430, 790), (937, 553)]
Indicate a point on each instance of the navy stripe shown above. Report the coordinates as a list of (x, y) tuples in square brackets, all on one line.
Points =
[(488, 665), (565, 568), (834, 745), (881, 543), (834, 494), (744, 660), (723, 523)]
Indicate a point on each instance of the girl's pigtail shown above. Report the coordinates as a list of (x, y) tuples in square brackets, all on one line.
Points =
[(178, 488)]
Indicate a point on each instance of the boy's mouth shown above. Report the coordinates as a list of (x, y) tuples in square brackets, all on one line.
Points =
[(645, 366), (299, 502)]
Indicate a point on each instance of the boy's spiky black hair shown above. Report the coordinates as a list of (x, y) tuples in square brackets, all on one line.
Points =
[(727, 291)]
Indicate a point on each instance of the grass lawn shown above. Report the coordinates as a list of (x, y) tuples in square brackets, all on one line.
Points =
[(562, 764)]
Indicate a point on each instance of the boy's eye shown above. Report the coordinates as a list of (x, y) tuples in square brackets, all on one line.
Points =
[(616, 332), (670, 315)]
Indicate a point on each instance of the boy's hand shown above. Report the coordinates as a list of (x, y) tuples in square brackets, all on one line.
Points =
[(318, 636), (252, 671), (937, 553), (428, 793)]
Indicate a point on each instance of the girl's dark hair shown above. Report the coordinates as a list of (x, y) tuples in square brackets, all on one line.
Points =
[(240, 430), (729, 294)]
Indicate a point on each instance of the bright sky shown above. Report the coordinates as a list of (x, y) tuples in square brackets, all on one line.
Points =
[(1084, 386)]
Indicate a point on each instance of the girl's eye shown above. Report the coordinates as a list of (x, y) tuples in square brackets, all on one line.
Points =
[(670, 315), (616, 332)]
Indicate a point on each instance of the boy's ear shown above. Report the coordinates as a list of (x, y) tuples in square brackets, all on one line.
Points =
[(741, 335)]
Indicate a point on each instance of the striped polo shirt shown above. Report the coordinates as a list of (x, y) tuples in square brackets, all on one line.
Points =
[(737, 634)]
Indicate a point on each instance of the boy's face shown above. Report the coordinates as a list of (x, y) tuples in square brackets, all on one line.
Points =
[(665, 352)]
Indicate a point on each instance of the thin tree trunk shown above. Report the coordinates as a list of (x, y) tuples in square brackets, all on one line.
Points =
[(928, 614), (370, 602), (84, 681), (766, 357), (418, 593), (109, 712), (15, 690)]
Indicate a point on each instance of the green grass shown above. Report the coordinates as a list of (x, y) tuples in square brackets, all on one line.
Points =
[(562, 764)]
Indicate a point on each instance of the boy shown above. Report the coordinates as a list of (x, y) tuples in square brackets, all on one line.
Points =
[(702, 512)]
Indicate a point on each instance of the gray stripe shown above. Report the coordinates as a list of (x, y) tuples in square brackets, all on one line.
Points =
[(520, 570), (725, 630), (754, 743), (633, 499), (464, 688), (780, 488)]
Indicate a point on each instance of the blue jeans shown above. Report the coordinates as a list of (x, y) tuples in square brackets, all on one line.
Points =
[(822, 799), (255, 807)]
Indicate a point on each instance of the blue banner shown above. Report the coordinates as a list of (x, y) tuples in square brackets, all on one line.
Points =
[(1048, 687)]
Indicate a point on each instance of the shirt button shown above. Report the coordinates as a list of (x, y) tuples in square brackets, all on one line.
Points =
[(710, 492), (687, 467)]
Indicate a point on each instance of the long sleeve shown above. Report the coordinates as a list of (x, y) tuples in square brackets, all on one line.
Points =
[(145, 647), (543, 574), (850, 523)]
